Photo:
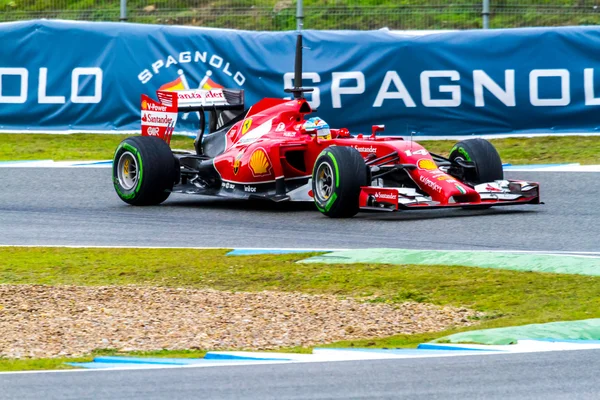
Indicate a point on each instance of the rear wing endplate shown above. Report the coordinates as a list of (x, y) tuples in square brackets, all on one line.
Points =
[(159, 117)]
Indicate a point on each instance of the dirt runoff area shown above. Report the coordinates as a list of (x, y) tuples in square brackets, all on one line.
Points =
[(50, 321)]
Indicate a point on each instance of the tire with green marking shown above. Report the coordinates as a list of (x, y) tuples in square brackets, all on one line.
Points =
[(143, 170), (338, 174), (488, 166)]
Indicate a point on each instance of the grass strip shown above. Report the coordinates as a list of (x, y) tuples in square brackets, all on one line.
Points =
[(76, 147), (26, 364), (588, 329), (509, 298), (559, 264)]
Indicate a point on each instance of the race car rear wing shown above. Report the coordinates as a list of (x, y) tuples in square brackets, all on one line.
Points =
[(214, 99), (159, 117)]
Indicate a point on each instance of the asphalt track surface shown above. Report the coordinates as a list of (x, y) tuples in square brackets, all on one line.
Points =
[(79, 207), (548, 376)]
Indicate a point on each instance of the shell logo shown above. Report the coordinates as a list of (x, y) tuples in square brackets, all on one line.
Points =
[(144, 105), (260, 163), (426, 164)]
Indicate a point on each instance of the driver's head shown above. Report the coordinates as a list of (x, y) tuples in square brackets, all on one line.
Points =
[(317, 124)]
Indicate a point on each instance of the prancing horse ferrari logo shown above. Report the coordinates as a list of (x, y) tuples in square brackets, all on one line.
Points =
[(246, 126)]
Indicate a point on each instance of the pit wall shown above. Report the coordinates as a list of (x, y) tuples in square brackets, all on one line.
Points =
[(84, 76)]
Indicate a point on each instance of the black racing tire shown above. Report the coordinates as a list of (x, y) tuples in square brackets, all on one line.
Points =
[(144, 170), (338, 174), (488, 165)]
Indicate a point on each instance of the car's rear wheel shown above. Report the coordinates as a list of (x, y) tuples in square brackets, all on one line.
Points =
[(338, 174), (144, 170), (485, 158)]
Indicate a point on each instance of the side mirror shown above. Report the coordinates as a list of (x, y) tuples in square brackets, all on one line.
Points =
[(375, 129)]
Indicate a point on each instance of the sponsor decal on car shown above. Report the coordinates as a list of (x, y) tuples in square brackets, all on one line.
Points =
[(246, 125), (152, 131), (426, 164), (227, 185), (491, 188), (157, 119), (260, 165), (280, 127), (289, 134), (211, 94), (249, 189), (256, 133), (237, 163), (443, 177), (153, 107), (431, 184), (386, 196), (363, 149)]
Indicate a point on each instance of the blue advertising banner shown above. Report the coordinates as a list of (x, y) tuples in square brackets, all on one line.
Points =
[(82, 76)]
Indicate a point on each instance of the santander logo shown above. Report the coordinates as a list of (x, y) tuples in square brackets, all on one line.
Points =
[(389, 196), (156, 120), (363, 149)]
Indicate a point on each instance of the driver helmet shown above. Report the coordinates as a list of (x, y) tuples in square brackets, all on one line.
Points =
[(317, 124)]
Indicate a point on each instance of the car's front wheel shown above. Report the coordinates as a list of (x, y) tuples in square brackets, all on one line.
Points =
[(487, 166), (143, 170), (338, 174)]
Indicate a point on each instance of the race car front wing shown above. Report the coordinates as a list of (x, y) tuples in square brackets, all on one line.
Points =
[(497, 193)]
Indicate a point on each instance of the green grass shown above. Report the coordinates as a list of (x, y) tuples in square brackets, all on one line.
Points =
[(507, 297), (319, 14), (74, 147), (27, 364), (551, 149)]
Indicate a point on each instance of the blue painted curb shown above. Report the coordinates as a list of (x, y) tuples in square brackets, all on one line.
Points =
[(401, 351), (93, 163), (218, 356), (430, 346), (142, 360), (95, 365)]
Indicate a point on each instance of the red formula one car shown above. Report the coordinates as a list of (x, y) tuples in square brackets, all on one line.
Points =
[(272, 151)]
